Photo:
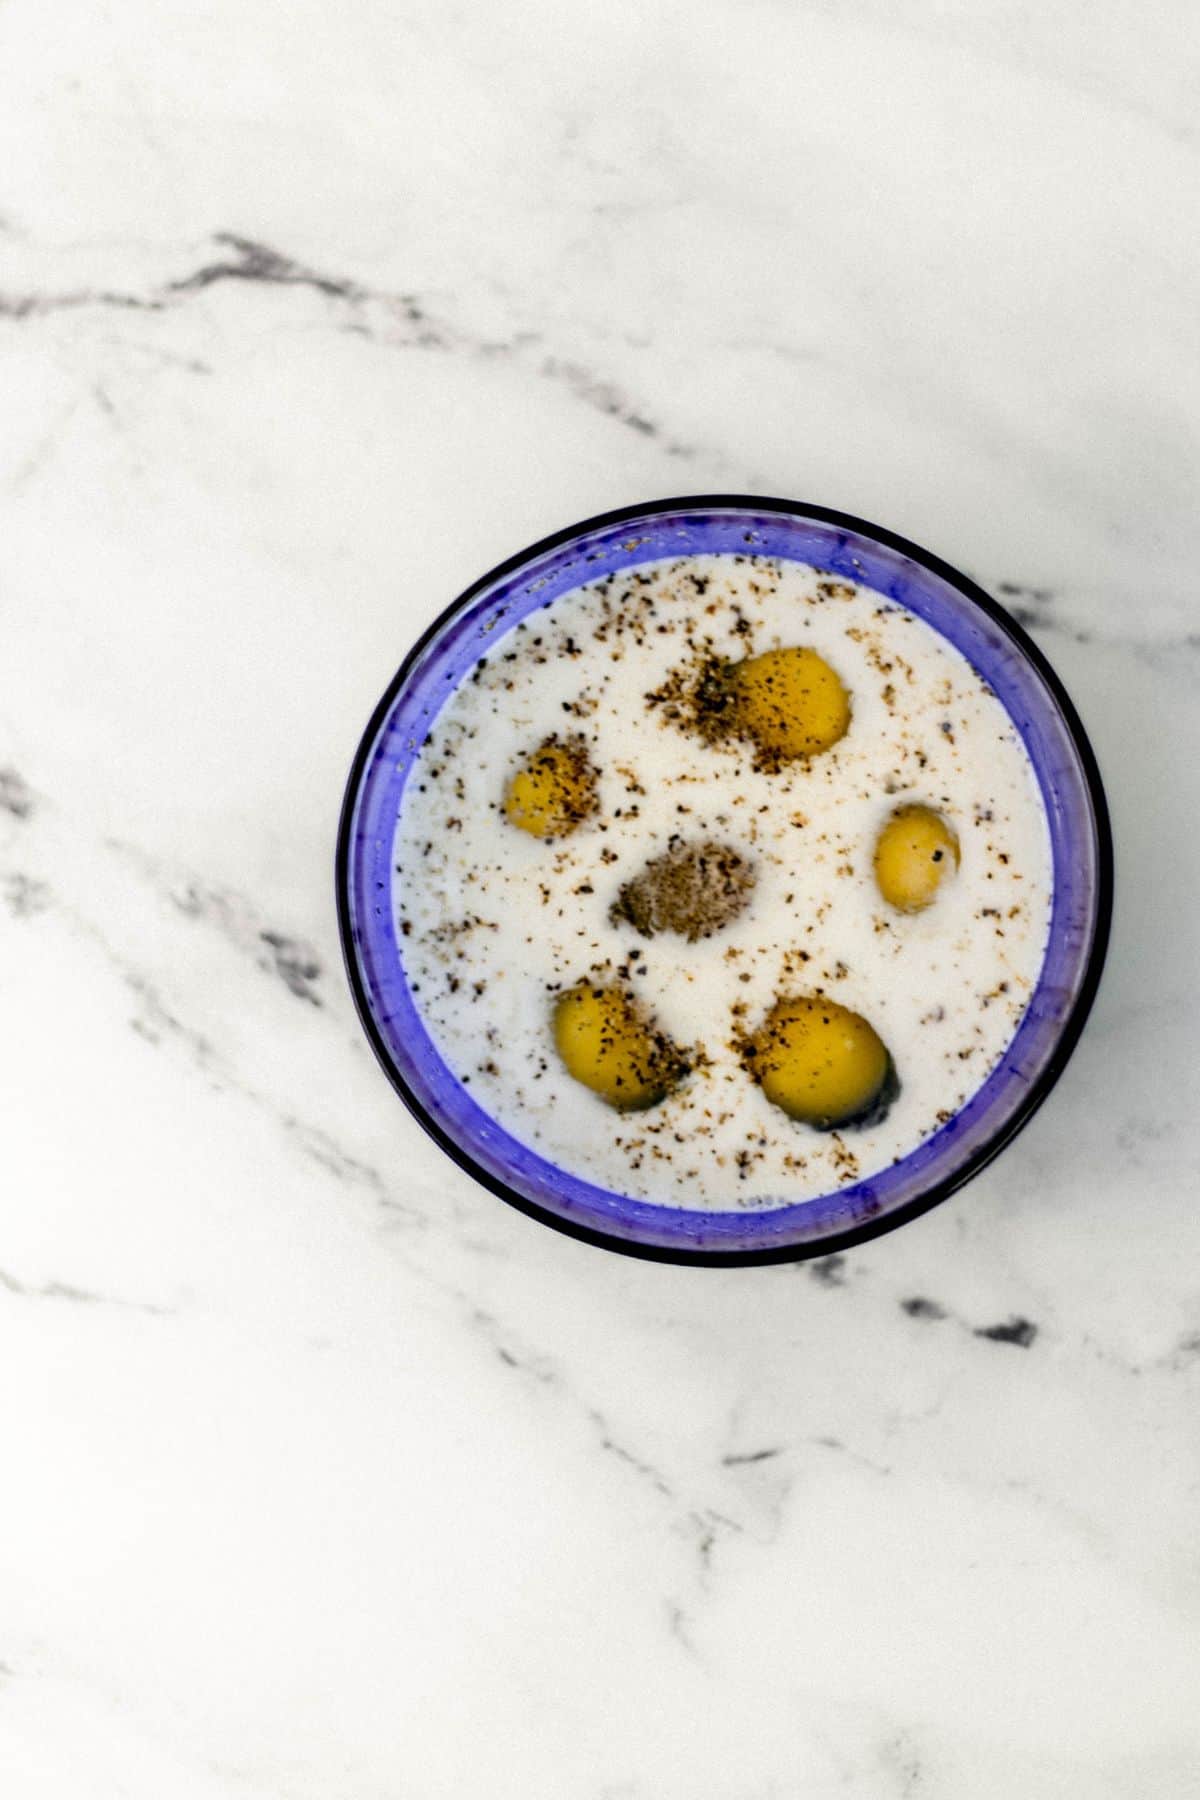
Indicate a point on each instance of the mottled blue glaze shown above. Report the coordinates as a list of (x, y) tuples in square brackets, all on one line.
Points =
[(936, 594)]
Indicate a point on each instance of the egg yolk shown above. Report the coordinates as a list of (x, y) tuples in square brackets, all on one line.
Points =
[(790, 703), (553, 791), (820, 1063), (914, 854), (609, 1044)]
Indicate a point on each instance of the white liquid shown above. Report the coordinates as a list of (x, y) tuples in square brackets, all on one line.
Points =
[(944, 988)]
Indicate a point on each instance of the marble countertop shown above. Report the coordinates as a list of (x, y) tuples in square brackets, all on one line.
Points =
[(327, 1476)]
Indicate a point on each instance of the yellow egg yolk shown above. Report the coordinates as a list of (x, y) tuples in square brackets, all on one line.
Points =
[(553, 791), (608, 1043), (819, 1062), (790, 703), (914, 854)]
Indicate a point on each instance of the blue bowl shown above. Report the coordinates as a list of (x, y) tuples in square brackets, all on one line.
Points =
[(1003, 655)]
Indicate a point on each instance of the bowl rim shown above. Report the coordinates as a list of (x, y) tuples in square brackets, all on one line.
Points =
[(1072, 1026)]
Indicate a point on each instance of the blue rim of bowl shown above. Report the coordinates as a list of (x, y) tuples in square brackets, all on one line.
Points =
[(867, 1227)]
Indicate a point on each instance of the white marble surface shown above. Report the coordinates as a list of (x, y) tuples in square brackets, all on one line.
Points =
[(326, 1476)]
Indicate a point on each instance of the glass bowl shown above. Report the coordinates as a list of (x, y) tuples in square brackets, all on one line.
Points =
[(1003, 655)]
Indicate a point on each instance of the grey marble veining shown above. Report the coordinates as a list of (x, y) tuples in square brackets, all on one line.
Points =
[(327, 1473)]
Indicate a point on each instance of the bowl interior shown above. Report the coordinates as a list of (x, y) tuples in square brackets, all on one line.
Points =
[(984, 634)]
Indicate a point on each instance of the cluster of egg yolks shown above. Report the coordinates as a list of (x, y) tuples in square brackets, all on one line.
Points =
[(553, 791), (610, 1045), (914, 854), (818, 1061)]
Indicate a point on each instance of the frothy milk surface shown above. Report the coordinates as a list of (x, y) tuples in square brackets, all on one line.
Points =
[(495, 923)]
